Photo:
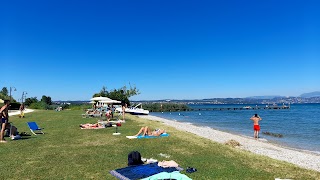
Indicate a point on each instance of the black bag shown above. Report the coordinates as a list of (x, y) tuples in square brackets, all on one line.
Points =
[(108, 125), (134, 158)]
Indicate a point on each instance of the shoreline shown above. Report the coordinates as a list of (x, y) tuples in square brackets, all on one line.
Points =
[(302, 158)]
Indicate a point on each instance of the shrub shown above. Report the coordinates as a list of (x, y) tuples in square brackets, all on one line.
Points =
[(14, 106), (39, 105), (156, 107)]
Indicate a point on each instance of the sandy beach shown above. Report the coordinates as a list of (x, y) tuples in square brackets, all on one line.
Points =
[(17, 112), (304, 159)]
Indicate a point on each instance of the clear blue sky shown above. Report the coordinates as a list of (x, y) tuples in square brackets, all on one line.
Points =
[(69, 50)]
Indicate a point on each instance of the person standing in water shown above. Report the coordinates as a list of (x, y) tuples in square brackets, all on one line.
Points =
[(256, 127)]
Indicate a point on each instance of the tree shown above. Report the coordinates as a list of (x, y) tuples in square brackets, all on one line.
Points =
[(130, 92), (4, 91), (103, 92), (118, 94), (31, 100), (46, 99), (122, 94)]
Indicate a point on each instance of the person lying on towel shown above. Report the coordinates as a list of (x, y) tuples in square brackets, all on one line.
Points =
[(147, 131), (92, 126)]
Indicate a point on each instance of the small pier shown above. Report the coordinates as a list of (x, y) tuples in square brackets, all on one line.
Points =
[(238, 108)]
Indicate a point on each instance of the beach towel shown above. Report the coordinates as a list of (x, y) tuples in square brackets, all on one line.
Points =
[(147, 137), (141, 171), (100, 125), (165, 175)]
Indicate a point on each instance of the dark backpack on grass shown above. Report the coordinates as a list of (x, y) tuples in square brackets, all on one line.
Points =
[(134, 158)]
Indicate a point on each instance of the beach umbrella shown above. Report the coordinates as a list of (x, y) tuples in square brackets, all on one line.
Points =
[(111, 101), (100, 99)]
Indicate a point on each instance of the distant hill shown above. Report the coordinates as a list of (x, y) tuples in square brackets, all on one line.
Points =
[(311, 94), (265, 97)]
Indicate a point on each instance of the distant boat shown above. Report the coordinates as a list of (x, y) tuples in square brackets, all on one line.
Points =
[(247, 107), (134, 110)]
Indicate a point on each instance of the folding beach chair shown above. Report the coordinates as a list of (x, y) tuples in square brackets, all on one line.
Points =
[(34, 127)]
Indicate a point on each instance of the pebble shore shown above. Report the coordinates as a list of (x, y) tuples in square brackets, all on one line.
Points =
[(304, 159)]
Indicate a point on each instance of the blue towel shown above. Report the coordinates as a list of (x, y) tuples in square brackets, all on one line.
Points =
[(162, 135), (141, 171), (165, 175)]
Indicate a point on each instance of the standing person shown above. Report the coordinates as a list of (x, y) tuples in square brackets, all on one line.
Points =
[(256, 127), (94, 106), (22, 108), (124, 105), (108, 115), (4, 115), (112, 110)]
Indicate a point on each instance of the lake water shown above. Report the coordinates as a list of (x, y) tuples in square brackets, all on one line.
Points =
[(299, 125)]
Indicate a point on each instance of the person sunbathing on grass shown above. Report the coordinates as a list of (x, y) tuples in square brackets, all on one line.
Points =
[(92, 126), (92, 112), (147, 131)]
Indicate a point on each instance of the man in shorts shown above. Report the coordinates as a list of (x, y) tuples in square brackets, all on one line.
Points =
[(256, 127), (4, 115)]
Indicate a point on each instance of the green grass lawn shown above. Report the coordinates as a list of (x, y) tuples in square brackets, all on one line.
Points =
[(67, 152)]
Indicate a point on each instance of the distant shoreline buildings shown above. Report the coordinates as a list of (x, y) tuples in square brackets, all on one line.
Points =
[(276, 100)]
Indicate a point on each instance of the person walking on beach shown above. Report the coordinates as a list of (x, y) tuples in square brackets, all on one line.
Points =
[(256, 127), (4, 115)]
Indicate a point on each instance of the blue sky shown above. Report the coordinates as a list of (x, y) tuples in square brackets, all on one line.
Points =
[(69, 50)]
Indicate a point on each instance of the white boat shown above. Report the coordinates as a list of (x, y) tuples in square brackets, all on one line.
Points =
[(134, 110)]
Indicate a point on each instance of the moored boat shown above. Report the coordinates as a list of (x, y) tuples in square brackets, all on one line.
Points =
[(134, 110)]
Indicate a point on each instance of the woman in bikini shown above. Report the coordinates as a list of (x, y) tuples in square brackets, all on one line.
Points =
[(147, 131)]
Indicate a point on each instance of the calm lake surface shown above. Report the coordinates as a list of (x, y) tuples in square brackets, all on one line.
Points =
[(299, 125)]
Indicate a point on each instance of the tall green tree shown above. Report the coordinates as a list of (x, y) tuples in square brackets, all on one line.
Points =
[(4, 91), (122, 94), (31, 100), (103, 92), (46, 99)]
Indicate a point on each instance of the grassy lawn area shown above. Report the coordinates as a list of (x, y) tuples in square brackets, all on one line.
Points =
[(67, 152)]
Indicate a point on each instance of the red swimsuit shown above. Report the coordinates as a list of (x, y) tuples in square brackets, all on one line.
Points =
[(256, 127)]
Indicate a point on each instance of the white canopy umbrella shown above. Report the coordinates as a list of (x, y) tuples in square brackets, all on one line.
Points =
[(104, 100), (111, 101), (100, 99)]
